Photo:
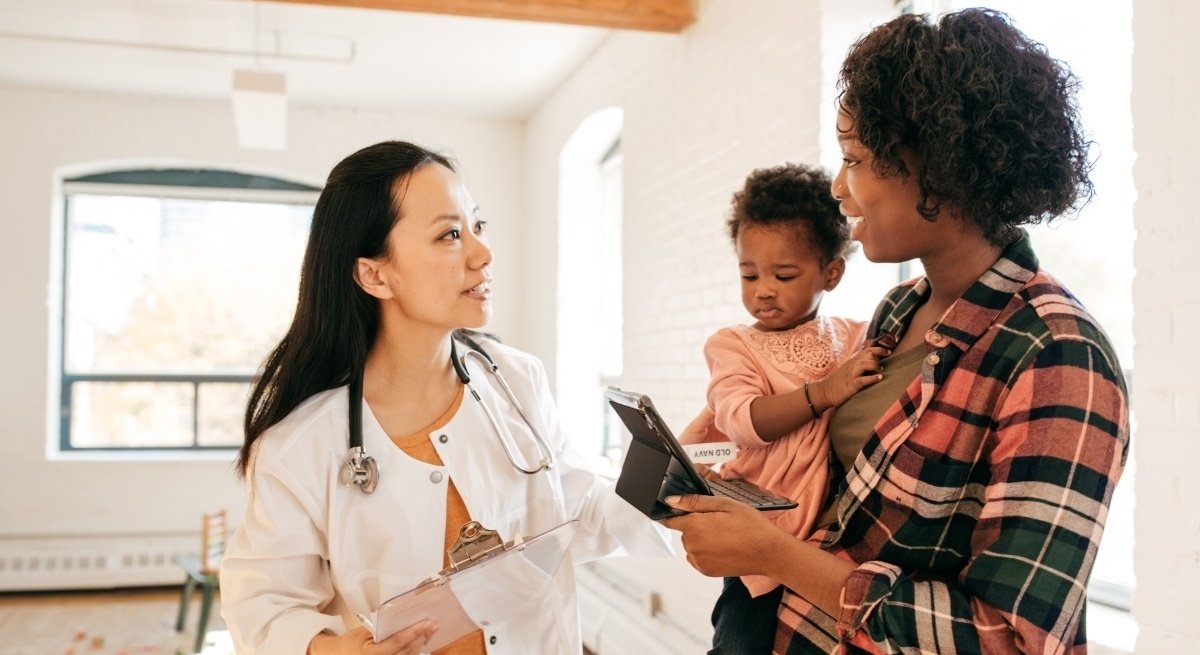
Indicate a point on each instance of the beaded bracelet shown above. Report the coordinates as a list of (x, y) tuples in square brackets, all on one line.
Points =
[(810, 402)]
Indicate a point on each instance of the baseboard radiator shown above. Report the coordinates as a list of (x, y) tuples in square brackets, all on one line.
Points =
[(92, 561)]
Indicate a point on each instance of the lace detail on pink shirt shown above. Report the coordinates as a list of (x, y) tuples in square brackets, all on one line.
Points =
[(809, 350)]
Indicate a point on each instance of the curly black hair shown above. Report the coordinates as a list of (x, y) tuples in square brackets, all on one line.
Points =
[(987, 115), (797, 196)]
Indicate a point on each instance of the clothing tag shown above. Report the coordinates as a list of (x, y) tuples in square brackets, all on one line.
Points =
[(713, 452)]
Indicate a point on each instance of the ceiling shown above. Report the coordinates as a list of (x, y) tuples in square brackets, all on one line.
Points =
[(332, 56)]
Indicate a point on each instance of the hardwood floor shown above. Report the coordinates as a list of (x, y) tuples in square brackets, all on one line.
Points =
[(116, 622), (109, 622)]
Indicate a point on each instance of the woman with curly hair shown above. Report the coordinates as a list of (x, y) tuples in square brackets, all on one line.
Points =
[(966, 512), (773, 381)]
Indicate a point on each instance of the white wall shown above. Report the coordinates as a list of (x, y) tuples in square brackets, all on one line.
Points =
[(738, 90), (702, 108), (1166, 389), (45, 500)]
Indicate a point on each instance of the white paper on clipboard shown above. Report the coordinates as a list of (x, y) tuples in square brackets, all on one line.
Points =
[(494, 585)]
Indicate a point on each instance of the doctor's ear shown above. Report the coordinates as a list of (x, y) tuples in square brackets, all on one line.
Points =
[(368, 277)]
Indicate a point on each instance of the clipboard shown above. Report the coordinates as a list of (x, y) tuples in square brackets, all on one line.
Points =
[(488, 582)]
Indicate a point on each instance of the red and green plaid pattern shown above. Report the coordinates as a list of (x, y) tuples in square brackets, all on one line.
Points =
[(976, 506)]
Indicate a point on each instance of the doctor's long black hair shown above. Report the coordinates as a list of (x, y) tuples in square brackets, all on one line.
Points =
[(335, 321)]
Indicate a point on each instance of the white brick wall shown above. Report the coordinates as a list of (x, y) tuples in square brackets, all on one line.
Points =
[(740, 89), (1166, 389)]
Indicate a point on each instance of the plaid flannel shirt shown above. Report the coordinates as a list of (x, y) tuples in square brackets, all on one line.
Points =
[(976, 506)]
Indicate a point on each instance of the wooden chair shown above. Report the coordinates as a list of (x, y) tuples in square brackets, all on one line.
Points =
[(201, 570)]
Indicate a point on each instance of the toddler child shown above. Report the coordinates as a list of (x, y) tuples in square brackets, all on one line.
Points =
[(772, 381)]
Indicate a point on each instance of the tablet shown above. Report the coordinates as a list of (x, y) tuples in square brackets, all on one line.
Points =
[(656, 465)]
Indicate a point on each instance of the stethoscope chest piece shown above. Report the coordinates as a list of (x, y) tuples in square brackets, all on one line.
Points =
[(360, 469)]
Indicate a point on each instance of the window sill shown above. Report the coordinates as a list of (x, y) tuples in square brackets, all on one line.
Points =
[(1111, 631), (148, 455)]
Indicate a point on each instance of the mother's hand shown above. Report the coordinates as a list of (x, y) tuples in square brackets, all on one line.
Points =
[(724, 537)]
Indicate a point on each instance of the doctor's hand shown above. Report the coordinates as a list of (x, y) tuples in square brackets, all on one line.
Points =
[(723, 537), (358, 641)]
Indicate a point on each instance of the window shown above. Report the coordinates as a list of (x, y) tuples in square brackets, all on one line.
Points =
[(589, 302), (1093, 256), (609, 330), (176, 284)]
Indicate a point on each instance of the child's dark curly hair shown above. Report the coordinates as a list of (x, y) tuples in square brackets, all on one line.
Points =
[(796, 196), (988, 116)]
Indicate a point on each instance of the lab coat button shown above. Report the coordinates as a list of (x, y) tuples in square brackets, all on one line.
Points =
[(492, 640), (435, 477), (443, 438)]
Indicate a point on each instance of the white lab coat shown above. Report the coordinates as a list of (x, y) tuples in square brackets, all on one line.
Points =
[(312, 553)]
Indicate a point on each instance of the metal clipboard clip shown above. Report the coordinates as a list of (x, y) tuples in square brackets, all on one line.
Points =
[(487, 582), (475, 543)]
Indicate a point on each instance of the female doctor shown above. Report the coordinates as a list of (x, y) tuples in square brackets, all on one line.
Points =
[(397, 263)]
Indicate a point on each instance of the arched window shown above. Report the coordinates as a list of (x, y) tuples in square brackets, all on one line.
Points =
[(175, 285), (590, 283)]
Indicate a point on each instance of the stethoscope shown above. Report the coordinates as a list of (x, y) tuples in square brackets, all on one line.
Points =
[(361, 469)]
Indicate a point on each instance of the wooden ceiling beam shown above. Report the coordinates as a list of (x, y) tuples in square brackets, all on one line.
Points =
[(646, 15)]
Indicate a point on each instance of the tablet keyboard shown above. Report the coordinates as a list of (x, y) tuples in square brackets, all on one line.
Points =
[(739, 490)]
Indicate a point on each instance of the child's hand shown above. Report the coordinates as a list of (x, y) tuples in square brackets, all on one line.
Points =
[(855, 374), (698, 430)]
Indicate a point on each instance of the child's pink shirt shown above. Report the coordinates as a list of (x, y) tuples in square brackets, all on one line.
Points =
[(746, 363)]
